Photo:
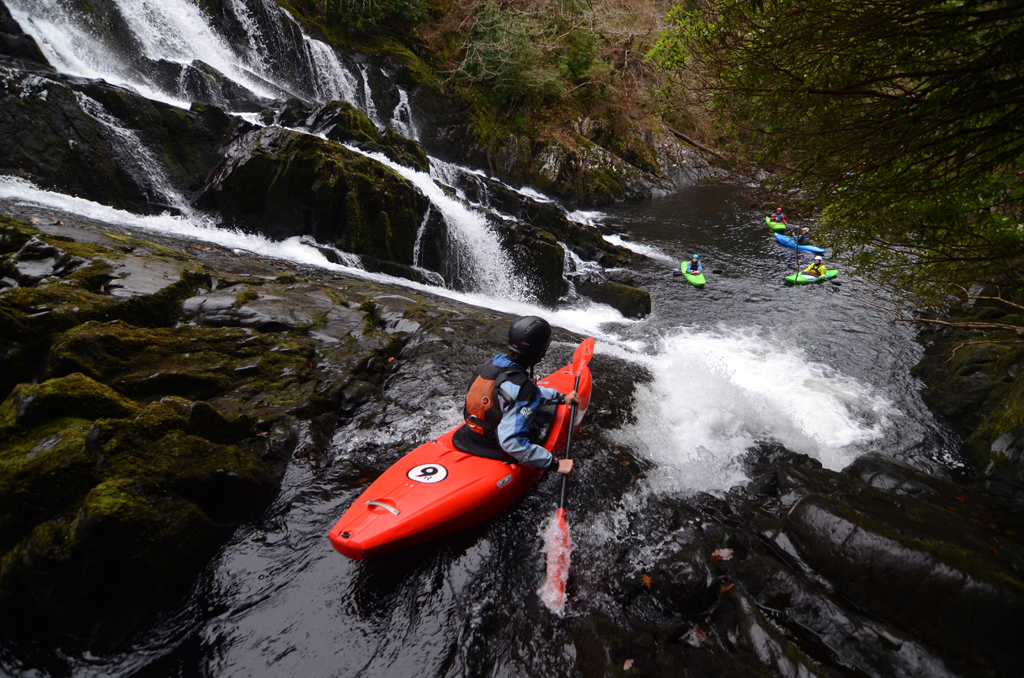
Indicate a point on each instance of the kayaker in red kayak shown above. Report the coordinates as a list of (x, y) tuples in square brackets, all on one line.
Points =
[(503, 401)]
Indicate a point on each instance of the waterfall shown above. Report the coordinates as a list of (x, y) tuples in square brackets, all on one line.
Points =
[(331, 80), (176, 32), (251, 56), (478, 257), (132, 152), (369, 108), (401, 117)]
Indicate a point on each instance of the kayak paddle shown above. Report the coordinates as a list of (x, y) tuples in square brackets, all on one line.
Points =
[(556, 536)]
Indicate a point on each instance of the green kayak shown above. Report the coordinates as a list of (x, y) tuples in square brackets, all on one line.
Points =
[(803, 279), (775, 226), (695, 280)]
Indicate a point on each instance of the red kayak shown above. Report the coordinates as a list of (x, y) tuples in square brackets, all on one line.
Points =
[(436, 490)]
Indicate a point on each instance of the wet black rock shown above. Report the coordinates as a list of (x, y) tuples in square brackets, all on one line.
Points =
[(631, 302), (283, 184), (37, 260), (808, 571), (15, 43), (96, 141)]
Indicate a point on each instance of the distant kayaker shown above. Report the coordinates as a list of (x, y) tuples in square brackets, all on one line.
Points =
[(693, 266), (779, 216), (503, 401), (817, 269), (805, 237)]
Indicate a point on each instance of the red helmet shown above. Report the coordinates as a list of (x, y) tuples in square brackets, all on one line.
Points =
[(778, 209)]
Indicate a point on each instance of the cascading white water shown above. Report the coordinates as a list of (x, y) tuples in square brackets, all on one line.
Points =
[(369, 108), (176, 31), (478, 252), (401, 118), (131, 150), (716, 393), (639, 248), (331, 80)]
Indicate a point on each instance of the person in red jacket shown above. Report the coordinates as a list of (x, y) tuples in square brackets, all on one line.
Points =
[(779, 216)]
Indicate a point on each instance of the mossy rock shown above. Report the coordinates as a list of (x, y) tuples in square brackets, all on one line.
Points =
[(630, 301), (97, 573), (342, 122), (193, 362), (13, 234), (284, 184), (43, 471), (75, 395), (31, 317)]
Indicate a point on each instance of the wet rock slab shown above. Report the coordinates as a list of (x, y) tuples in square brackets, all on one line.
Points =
[(879, 569), (162, 389)]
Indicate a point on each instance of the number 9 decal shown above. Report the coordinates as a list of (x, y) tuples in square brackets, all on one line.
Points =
[(428, 473)]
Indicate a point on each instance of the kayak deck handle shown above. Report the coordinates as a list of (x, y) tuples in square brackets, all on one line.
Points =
[(391, 509)]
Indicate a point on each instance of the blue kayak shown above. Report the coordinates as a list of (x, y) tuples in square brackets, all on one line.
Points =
[(789, 242)]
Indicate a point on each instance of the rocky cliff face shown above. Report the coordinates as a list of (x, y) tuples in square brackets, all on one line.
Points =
[(977, 383)]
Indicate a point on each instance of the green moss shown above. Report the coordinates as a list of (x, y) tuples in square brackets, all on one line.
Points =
[(86, 250), (75, 395), (246, 296), (285, 279), (14, 234), (336, 298), (155, 248), (372, 318), (120, 517), (44, 472)]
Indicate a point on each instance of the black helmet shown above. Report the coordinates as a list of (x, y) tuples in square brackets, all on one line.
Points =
[(528, 339)]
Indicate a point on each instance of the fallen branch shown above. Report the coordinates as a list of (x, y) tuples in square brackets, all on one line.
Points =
[(683, 137), (899, 315), (964, 325), (972, 343)]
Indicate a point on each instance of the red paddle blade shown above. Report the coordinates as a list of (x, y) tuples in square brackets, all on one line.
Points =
[(558, 548), (584, 352)]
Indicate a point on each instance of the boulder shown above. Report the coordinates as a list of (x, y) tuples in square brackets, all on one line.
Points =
[(15, 43), (631, 302), (944, 592), (100, 142), (38, 259), (283, 184)]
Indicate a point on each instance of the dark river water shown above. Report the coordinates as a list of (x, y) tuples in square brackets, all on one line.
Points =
[(743, 361)]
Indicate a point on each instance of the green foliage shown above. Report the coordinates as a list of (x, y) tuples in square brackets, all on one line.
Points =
[(902, 119), (579, 58), (503, 50), (371, 16)]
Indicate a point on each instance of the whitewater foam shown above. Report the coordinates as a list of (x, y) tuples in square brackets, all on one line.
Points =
[(557, 550), (717, 393), (645, 250)]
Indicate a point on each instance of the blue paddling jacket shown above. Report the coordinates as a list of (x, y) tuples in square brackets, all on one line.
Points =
[(501, 405)]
